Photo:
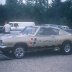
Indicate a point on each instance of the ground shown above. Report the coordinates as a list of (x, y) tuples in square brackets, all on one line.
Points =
[(37, 62)]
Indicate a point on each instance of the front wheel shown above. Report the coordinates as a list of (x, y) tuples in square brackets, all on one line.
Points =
[(66, 48), (19, 52)]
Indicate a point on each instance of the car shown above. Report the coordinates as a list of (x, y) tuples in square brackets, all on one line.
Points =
[(36, 38), (20, 25)]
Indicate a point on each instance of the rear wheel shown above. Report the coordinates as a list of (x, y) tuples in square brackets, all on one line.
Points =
[(66, 48)]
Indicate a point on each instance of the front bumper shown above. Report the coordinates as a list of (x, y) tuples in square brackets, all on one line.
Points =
[(3, 47)]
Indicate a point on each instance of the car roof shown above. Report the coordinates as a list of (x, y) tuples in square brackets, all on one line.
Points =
[(39, 26)]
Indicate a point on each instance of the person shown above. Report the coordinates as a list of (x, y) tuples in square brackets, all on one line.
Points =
[(7, 28)]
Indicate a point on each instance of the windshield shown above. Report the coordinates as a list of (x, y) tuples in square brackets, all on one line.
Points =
[(30, 30)]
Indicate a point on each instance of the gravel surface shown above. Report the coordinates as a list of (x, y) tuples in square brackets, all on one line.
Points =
[(37, 62)]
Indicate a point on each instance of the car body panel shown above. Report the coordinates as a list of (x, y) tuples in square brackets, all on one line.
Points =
[(33, 41)]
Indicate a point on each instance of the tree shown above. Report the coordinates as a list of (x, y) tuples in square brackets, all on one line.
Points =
[(3, 15)]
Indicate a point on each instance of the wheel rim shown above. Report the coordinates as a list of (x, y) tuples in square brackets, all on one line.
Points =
[(19, 52), (67, 48)]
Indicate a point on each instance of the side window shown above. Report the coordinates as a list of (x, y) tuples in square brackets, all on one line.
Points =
[(42, 31), (55, 31), (11, 24), (15, 25), (48, 31)]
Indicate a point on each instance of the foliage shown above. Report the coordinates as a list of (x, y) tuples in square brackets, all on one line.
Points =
[(39, 11)]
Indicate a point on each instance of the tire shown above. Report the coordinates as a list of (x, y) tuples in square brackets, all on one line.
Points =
[(19, 52), (66, 48)]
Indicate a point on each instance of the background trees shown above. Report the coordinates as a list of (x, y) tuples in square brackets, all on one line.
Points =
[(39, 11)]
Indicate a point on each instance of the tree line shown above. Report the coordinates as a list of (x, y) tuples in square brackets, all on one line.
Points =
[(39, 11)]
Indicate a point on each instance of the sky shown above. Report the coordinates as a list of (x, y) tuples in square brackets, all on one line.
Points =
[(3, 1)]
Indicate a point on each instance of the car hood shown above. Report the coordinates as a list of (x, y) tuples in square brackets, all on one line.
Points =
[(6, 36)]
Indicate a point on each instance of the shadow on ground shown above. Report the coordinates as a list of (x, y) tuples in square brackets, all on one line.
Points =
[(33, 55)]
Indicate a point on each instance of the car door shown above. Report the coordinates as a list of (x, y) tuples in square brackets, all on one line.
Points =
[(46, 37)]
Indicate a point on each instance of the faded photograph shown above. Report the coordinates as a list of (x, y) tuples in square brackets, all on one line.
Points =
[(35, 35)]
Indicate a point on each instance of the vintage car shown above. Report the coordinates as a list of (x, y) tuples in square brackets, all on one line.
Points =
[(36, 38)]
